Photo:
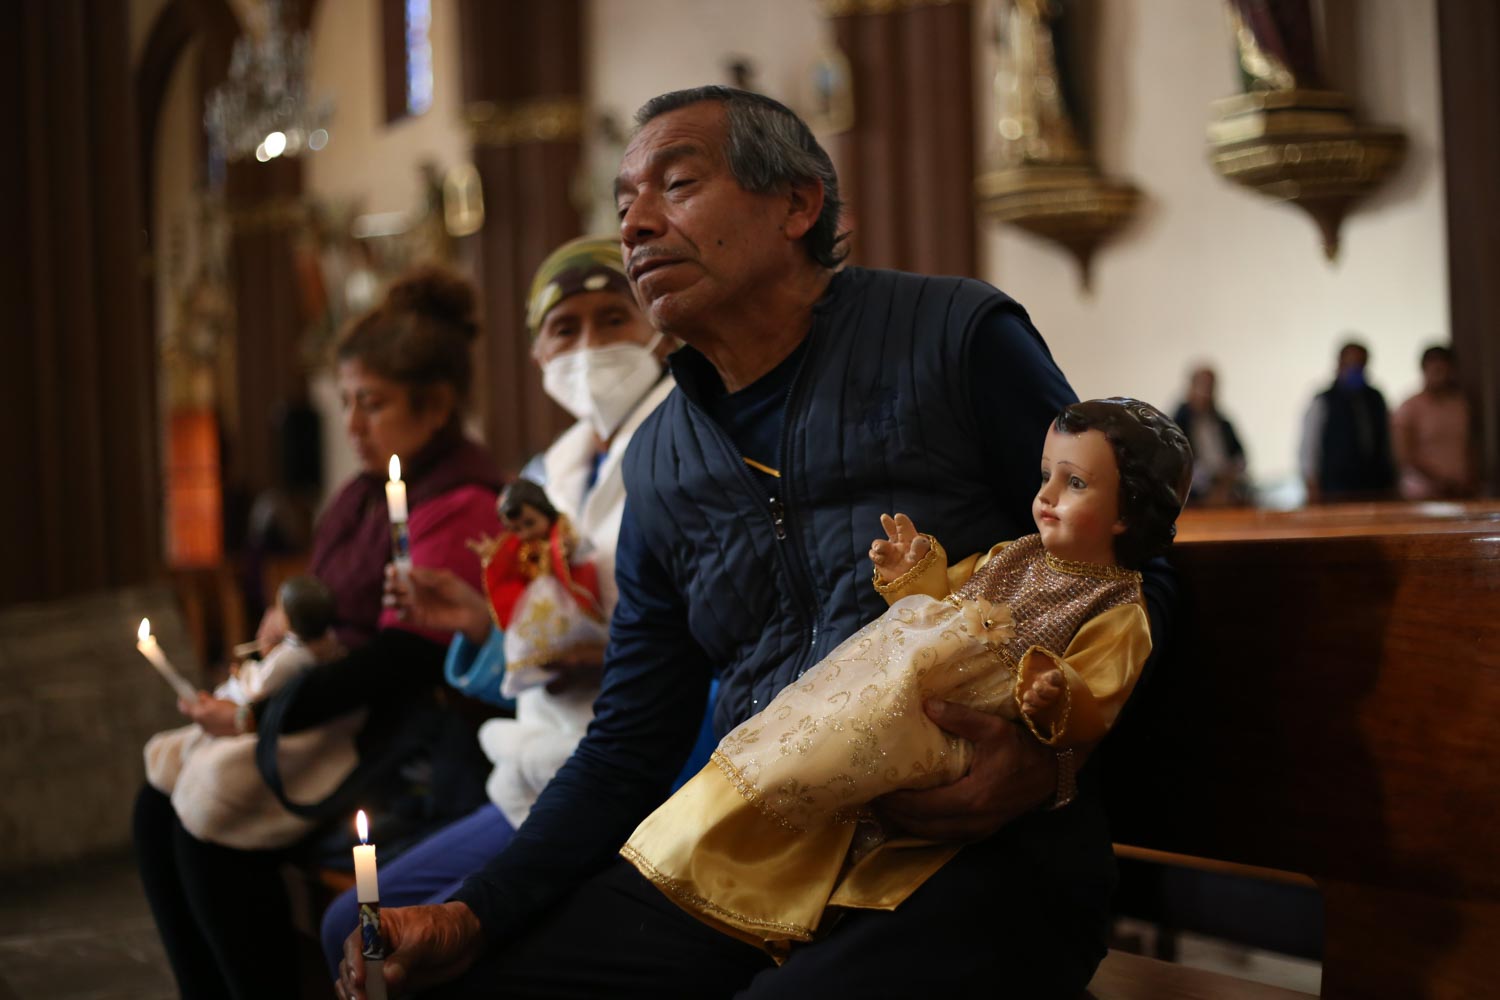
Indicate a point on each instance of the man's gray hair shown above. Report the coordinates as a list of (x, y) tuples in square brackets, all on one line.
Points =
[(768, 147)]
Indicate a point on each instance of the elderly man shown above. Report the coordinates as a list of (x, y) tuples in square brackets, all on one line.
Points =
[(810, 399)]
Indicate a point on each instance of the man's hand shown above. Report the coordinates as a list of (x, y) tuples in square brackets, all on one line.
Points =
[(1010, 775), (578, 666), (425, 946), (215, 715), (901, 548), (438, 599)]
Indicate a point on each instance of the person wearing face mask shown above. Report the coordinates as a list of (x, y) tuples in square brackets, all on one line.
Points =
[(1346, 440), (601, 361)]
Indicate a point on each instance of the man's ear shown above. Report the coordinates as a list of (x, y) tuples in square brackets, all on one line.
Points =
[(1119, 528), (804, 205)]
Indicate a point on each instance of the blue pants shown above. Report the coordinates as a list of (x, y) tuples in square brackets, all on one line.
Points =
[(430, 872)]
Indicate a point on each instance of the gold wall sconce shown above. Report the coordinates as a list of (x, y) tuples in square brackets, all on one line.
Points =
[(1288, 137), (1073, 207), (1044, 178)]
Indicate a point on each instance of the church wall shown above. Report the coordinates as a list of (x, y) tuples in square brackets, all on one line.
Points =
[(1213, 272), (639, 49), (368, 161)]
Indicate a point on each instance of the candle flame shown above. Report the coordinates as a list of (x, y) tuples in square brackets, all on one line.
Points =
[(144, 632), (363, 826), (395, 469)]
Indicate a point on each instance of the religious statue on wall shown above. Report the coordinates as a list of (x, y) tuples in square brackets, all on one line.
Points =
[(1044, 177), (1274, 39), (1288, 135), (1038, 103)]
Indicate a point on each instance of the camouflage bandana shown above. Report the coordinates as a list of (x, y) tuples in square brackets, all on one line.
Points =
[(588, 264)]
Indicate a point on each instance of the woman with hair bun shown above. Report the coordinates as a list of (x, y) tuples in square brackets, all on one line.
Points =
[(404, 371)]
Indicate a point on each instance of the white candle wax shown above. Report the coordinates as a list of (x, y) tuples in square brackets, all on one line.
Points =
[(366, 879), (395, 492)]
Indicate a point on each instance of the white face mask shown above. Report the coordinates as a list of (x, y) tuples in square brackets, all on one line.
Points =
[(602, 384)]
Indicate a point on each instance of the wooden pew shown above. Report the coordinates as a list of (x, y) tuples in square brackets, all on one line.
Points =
[(1331, 710)]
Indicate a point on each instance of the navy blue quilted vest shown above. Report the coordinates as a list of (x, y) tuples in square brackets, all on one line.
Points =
[(878, 420)]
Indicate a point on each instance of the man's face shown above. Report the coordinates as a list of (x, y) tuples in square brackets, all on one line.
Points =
[(694, 241), (1437, 374), (1201, 389), (1353, 359)]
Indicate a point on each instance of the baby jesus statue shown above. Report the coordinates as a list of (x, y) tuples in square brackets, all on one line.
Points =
[(543, 593), (1049, 631)]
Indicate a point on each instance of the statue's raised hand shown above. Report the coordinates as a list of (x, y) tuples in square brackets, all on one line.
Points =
[(900, 549)]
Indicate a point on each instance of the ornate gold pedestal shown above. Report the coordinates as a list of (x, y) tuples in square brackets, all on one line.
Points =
[(1304, 147), (1069, 205)]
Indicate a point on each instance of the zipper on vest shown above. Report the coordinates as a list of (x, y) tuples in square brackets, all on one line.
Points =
[(798, 572)]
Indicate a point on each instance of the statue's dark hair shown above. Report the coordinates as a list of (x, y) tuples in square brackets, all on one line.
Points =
[(525, 492), (768, 148), (308, 605), (1156, 469)]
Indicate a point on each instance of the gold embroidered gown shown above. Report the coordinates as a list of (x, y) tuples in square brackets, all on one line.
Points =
[(774, 829)]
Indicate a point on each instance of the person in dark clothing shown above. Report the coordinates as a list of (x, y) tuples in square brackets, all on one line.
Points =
[(1346, 436), (810, 399), (1219, 478)]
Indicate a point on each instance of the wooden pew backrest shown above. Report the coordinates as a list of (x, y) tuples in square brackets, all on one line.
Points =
[(1332, 708)]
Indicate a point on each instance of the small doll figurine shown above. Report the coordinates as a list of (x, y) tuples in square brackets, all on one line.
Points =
[(308, 607), (1049, 631), (543, 597)]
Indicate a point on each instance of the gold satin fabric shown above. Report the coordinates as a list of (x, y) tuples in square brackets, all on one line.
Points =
[(758, 843)]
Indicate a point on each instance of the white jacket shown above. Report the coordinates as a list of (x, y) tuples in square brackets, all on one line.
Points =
[(529, 749)]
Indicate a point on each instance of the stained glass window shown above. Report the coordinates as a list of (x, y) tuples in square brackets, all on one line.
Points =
[(418, 56)]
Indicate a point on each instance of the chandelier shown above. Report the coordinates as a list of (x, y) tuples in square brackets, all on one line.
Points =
[(262, 109)]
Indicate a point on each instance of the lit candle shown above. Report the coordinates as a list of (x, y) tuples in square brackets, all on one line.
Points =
[(366, 879), (367, 890), (146, 643), (395, 492), (395, 503)]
